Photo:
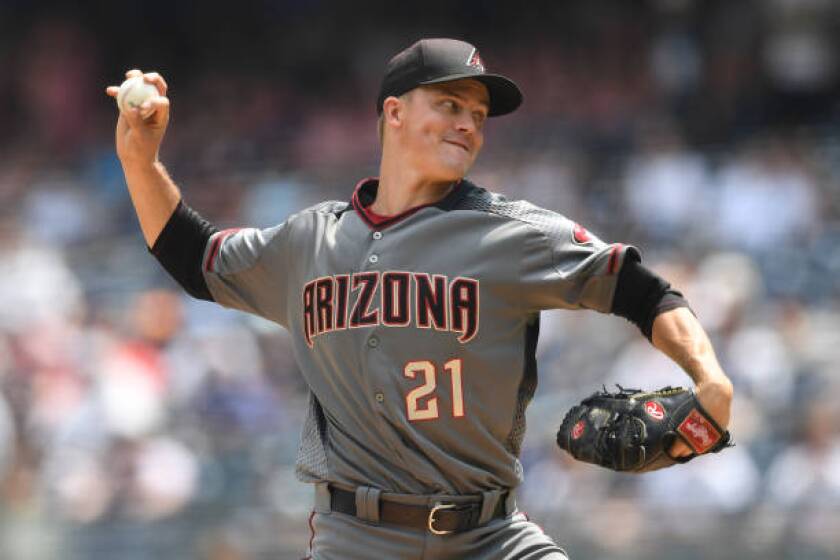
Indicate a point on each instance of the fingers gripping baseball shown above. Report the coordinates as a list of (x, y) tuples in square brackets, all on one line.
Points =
[(143, 118)]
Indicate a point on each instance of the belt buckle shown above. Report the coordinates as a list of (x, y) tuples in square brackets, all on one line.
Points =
[(431, 524)]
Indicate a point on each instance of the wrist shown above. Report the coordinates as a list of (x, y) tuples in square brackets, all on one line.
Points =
[(720, 384), (716, 397)]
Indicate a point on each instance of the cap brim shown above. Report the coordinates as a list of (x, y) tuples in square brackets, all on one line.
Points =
[(505, 96)]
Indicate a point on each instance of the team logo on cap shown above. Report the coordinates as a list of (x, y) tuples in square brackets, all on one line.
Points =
[(475, 61)]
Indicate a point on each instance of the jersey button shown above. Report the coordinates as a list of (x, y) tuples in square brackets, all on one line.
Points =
[(373, 259), (380, 397), (377, 235), (373, 342)]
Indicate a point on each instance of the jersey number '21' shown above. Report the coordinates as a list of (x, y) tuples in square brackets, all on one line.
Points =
[(429, 410)]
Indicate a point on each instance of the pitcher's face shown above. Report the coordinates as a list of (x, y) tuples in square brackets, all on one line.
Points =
[(444, 124)]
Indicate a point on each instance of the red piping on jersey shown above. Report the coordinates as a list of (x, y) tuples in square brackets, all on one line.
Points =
[(377, 221), (311, 533), (611, 267), (217, 244)]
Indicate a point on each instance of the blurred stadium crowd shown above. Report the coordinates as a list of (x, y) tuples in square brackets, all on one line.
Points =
[(136, 423)]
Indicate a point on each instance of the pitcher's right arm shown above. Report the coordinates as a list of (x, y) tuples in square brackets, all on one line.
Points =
[(138, 137), (244, 269)]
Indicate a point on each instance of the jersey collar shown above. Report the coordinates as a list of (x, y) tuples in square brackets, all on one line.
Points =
[(365, 193)]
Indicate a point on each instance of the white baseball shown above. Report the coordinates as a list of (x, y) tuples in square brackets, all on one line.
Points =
[(134, 92)]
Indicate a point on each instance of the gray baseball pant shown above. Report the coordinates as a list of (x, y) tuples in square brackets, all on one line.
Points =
[(337, 536)]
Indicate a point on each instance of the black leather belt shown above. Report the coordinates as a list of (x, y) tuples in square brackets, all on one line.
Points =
[(441, 519)]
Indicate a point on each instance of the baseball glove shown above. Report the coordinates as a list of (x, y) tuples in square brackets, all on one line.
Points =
[(632, 430)]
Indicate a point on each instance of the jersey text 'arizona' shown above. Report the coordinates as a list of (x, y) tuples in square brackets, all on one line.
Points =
[(392, 299)]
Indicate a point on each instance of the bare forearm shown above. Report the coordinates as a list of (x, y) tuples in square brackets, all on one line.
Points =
[(679, 335), (139, 133), (154, 195)]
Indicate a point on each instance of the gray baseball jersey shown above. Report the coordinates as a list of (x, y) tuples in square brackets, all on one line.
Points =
[(416, 336)]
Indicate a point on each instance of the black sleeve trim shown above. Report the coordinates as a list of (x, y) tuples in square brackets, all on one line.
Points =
[(641, 295), (180, 249)]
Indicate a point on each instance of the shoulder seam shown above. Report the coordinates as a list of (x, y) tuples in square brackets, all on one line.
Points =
[(544, 238), (508, 217), (330, 206)]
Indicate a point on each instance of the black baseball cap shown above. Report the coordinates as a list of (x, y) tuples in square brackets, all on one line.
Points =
[(433, 61)]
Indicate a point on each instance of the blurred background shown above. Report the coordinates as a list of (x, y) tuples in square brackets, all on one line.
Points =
[(136, 423)]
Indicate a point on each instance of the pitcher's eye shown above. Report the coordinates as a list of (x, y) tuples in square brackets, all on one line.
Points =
[(450, 105)]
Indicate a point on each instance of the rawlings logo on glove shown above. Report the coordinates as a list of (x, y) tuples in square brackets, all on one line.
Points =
[(632, 430)]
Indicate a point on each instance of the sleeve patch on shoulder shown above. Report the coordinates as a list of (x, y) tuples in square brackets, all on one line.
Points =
[(580, 235)]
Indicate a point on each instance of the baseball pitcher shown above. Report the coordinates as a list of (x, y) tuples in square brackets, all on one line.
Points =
[(414, 308)]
